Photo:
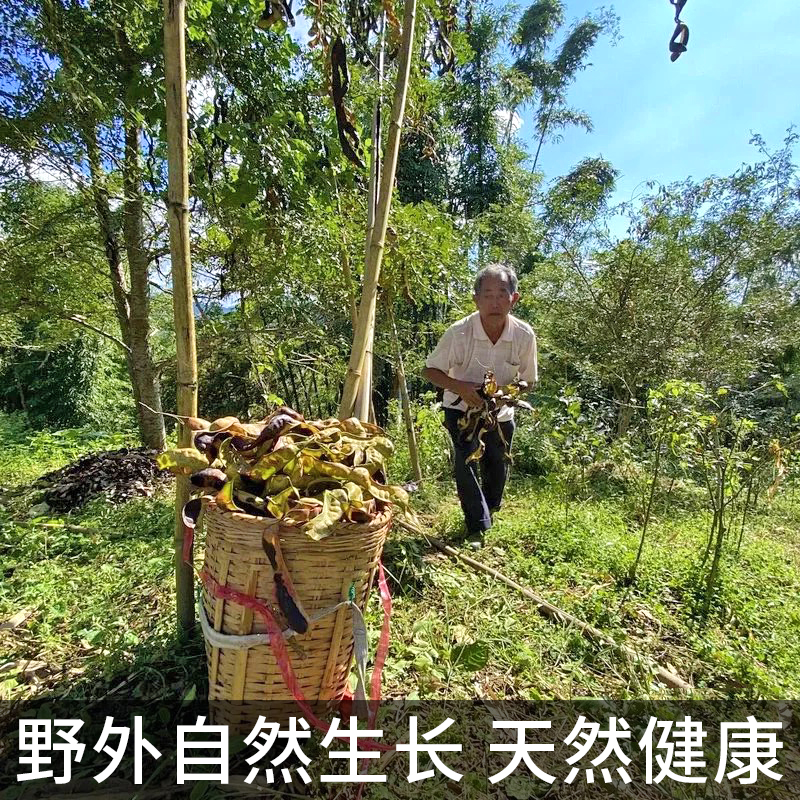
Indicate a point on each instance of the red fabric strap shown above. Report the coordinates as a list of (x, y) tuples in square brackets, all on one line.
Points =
[(281, 653)]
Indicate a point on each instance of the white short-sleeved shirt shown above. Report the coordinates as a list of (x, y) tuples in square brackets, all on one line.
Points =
[(466, 353)]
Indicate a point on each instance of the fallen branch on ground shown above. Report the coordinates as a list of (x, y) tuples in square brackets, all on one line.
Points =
[(557, 614)]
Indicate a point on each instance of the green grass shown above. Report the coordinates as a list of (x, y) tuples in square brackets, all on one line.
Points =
[(97, 584), (579, 563), (99, 587), (27, 454)]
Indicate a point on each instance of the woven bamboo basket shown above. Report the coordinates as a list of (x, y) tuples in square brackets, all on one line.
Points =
[(246, 682)]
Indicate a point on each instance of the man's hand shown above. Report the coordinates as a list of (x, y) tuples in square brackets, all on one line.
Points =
[(466, 390), (468, 393)]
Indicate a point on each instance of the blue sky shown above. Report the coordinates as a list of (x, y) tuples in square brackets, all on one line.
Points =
[(654, 119), (664, 121)]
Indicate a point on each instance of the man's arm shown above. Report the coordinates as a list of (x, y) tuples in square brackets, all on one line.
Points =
[(464, 389)]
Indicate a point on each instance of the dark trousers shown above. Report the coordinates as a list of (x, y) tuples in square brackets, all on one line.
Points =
[(479, 498)]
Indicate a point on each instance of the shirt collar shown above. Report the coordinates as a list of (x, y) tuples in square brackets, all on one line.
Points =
[(479, 333)]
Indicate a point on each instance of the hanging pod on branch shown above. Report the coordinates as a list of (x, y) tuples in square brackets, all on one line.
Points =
[(340, 83)]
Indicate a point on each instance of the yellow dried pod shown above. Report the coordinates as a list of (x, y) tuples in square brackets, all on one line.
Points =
[(230, 424)]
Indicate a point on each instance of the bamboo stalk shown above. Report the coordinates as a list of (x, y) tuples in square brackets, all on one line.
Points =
[(182, 299), (411, 434), (363, 404), (366, 312), (565, 618), (344, 257)]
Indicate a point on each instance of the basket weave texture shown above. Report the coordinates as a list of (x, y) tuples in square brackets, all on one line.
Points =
[(244, 683)]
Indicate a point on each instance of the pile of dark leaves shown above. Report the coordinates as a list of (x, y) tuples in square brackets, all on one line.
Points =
[(120, 475)]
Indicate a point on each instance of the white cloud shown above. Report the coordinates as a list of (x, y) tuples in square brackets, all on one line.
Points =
[(502, 116)]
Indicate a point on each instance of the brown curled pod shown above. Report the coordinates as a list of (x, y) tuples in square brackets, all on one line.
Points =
[(297, 622), (208, 442), (229, 424), (272, 430), (197, 424), (209, 479), (191, 512)]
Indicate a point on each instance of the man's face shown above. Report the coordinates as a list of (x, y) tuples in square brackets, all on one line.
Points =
[(495, 298)]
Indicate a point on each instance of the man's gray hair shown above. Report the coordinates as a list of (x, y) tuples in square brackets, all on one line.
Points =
[(502, 271)]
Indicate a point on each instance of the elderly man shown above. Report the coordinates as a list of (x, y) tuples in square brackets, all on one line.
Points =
[(488, 339)]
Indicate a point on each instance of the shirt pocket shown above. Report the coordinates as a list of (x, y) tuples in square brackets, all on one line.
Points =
[(508, 371)]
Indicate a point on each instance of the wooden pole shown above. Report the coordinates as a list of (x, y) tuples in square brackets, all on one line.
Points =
[(366, 311), (182, 299)]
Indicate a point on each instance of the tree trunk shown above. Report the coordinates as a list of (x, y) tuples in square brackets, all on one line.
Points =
[(22, 404), (648, 507), (110, 243), (144, 375), (144, 380), (627, 405)]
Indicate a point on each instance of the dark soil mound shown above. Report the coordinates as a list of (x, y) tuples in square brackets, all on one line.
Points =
[(120, 475)]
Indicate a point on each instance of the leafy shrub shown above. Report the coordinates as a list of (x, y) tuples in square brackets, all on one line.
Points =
[(76, 383), (532, 449), (433, 441)]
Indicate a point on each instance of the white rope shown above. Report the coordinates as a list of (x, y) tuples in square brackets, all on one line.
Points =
[(231, 641)]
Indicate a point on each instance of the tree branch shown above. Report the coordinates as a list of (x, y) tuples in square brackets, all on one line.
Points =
[(79, 320)]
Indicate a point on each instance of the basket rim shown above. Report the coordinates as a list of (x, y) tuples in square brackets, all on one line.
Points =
[(385, 516)]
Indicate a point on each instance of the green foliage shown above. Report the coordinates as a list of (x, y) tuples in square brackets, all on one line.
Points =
[(51, 269), (433, 442), (476, 99), (580, 195), (421, 171), (678, 296), (30, 453), (579, 433), (534, 452), (549, 69), (425, 256), (75, 383), (54, 387)]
